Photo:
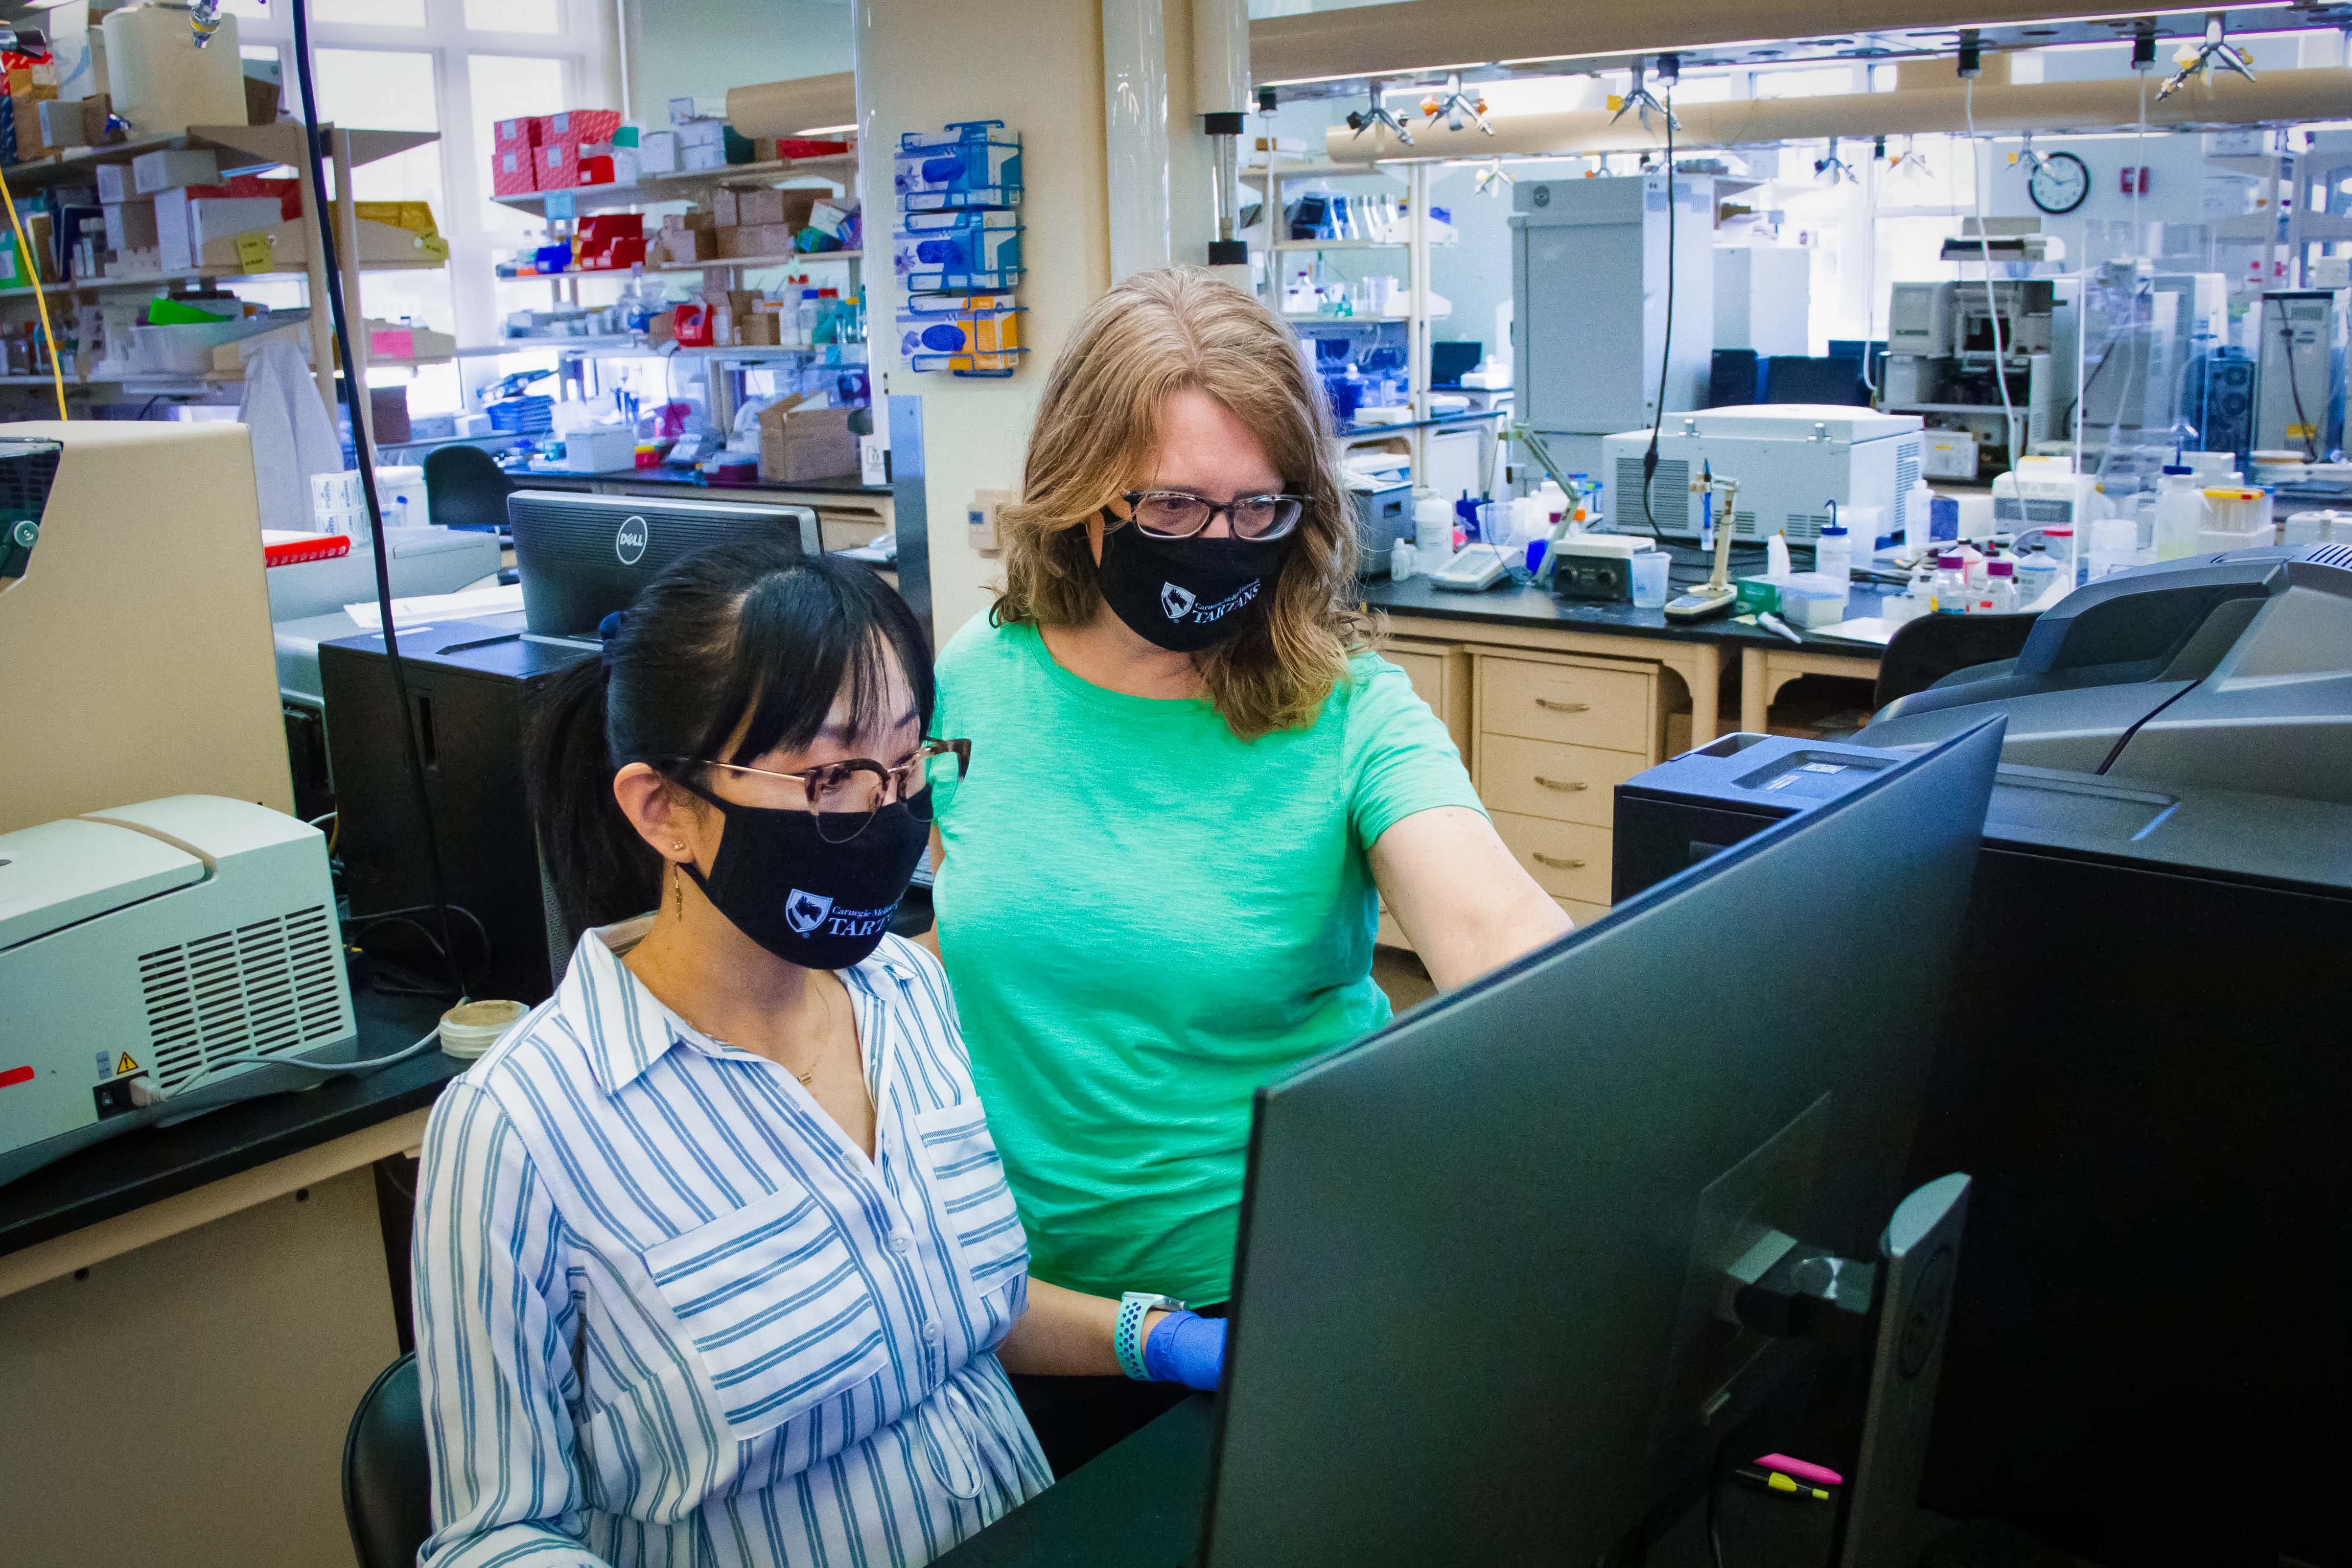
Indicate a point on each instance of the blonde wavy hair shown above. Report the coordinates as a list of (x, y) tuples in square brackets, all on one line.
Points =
[(1156, 334)]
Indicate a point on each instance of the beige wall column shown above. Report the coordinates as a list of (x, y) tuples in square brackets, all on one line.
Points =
[(1037, 65)]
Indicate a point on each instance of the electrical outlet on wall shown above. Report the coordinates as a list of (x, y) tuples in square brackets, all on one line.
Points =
[(982, 517)]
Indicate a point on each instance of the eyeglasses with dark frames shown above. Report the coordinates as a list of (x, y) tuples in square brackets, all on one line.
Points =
[(845, 795), (1175, 514)]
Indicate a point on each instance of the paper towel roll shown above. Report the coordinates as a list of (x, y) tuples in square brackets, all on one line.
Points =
[(771, 109)]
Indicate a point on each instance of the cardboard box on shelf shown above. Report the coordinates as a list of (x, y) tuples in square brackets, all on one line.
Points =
[(78, 123), (171, 166), (183, 224), (131, 225), (694, 218), (692, 133), (685, 109), (758, 329), (414, 216), (702, 160), (755, 240), (686, 247), (513, 172), (799, 443), (726, 206), (657, 152), (578, 127), (115, 182), (556, 167), (510, 135), (28, 88)]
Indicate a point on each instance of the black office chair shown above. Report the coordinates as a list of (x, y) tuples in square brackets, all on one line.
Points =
[(1923, 651), (387, 1481), (465, 488)]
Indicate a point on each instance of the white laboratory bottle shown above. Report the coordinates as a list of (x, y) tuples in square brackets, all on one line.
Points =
[(2114, 541), (1915, 516), (2001, 588), (2036, 576), (1433, 527), (2180, 513), (1404, 560), (1776, 556), (1912, 602), (1834, 553), (1949, 588), (1972, 562), (1552, 505)]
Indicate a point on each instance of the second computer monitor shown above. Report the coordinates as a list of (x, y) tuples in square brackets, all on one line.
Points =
[(580, 557), (1481, 1251)]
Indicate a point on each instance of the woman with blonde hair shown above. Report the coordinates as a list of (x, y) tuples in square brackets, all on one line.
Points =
[(1160, 889)]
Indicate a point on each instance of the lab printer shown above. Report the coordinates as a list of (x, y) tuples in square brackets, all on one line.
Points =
[(157, 961), (1793, 462), (2229, 671)]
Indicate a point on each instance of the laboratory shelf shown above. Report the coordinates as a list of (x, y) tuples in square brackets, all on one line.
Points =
[(837, 167), (1341, 245), (749, 262), (161, 279)]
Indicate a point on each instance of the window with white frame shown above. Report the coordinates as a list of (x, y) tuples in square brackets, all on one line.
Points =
[(453, 68)]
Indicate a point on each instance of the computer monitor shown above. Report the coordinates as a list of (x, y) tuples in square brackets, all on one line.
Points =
[(1449, 361), (1473, 1315), (580, 557), (1800, 378)]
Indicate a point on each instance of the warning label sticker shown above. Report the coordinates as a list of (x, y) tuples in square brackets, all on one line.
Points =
[(125, 1065)]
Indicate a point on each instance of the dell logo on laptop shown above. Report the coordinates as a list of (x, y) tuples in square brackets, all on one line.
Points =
[(629, 545)]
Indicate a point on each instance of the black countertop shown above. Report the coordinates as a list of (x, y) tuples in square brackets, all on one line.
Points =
[(141, 1168), (1508, 605)]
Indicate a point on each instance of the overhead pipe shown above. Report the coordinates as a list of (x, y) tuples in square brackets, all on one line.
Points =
[(1418, 38), (2287, 97), (769, 109), (1135, 136)]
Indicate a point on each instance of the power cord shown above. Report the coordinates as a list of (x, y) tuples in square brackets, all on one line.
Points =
[(329, 1068), (2295, 383), (355, 394), (1992, 301), (1666, 353)]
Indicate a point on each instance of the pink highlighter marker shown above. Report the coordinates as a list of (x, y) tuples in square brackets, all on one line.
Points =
[(1820, 1476)]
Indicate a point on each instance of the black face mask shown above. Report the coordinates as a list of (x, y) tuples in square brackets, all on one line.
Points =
[(819, 905), (1185, 595)]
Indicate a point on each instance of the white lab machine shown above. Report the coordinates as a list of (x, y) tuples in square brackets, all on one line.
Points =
[(2301, 381), (1791, 460), (1590, 264), (1763, 298), (423, 561), (160, 960)]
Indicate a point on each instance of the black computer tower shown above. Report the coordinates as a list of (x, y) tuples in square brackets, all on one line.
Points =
[(473, 687), (2145, 1066)]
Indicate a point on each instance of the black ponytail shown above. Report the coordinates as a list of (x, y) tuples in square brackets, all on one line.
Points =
[(749, 636)]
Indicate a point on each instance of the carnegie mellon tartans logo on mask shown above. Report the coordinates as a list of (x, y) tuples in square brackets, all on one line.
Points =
[(1181, 604)]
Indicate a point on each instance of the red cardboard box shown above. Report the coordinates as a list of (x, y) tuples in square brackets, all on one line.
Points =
[(512, 172), (511, 135), (808, 147), (555, 166), (578, 127)]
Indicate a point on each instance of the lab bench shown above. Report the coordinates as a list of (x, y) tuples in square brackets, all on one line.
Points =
[(1553, 703), (188, 1317)]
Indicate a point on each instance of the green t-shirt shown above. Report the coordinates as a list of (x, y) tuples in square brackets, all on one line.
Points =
[(1144, 919)]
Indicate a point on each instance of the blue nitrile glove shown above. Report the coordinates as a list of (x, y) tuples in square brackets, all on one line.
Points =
[(1186, 1348)]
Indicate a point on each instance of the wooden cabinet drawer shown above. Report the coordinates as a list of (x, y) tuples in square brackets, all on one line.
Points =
[(1568, 860), (1544, 778), (1577, 704), (1440, 673), (1582, 914)]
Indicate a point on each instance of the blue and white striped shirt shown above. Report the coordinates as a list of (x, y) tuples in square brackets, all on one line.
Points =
[(667, 1314)]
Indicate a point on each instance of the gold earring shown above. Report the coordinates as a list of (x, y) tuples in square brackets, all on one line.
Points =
[(677, 883)]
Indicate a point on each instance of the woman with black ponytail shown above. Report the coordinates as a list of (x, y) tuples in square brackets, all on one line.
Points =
[(715, 1260)]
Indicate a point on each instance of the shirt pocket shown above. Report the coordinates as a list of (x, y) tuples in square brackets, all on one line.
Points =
[(968, 1181), (776, 1304)]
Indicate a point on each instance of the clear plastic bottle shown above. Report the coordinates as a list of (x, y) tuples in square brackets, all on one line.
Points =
[(1403, 560), (1433, 527), (1776, 556), (1834, 553), (2000, 591), (2114, 544), (2036, 574), (1949, 586), (804, 320), (2180, 513)]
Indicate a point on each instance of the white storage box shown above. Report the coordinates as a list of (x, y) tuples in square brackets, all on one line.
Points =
[(184, 225), (131, 225), (161, 171), (186, 348)]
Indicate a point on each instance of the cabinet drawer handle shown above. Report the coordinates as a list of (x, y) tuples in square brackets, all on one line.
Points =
[(1557, 864), (1563, 707), (1556, 783)]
